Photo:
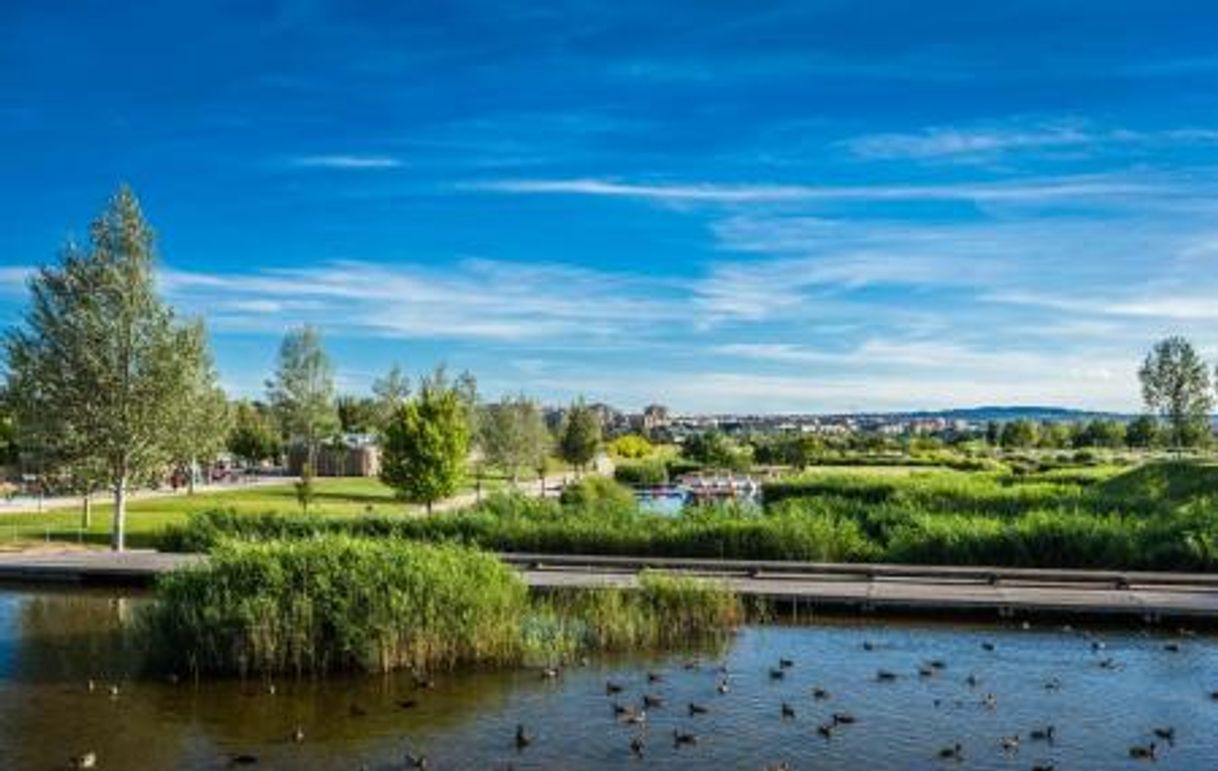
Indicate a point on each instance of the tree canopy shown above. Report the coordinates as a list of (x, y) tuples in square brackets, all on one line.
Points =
[(1176, 386), (513, 434), (426, 443), (302, 390), (579, 437), (99, 368)]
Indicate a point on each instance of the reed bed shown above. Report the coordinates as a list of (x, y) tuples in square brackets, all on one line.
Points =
[(337, 603)]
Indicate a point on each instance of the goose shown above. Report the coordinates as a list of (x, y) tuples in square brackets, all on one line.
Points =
[(884, 676), (843, 718), (937, 664), (655, 677), (85, 760), (697, 709), (298, 735), (954, 752), (522, 738), (788, 712), (650, 701), (681, 737), (1010, 743), (416, 761), (636, 746), (1044, 767), (925, 671), (820, 694), (826, 729), (785, 663), (1046, 734), (868, 645), (612, 687), (987, 646), (777, 674), (971, 681), (1147, 752), (1172, 647), (1166, 732), (243, 760)]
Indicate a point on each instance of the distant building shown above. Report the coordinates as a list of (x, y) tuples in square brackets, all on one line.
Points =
[(352, 455)]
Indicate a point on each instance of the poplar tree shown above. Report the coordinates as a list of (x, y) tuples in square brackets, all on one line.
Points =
[(99, 367)]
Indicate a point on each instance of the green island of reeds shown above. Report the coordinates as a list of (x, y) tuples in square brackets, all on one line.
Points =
[(1153, 517), (338, 603)]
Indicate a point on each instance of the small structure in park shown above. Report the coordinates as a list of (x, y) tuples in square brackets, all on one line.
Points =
[(351, 455)]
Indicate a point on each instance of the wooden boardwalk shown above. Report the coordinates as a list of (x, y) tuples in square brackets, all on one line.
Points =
[(894, 588)]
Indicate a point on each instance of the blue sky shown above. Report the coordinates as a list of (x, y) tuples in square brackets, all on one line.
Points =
[(724, 206)]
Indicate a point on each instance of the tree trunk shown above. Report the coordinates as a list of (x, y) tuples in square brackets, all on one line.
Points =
[(86, 512), (190, 485), (118, 535), (429, 508)]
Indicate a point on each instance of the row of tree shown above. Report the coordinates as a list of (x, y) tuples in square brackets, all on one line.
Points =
[(106, 387)]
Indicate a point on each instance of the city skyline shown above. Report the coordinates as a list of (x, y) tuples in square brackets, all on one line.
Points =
[(815, 208)]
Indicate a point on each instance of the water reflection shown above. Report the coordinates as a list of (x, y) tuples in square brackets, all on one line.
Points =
[(52, 643)]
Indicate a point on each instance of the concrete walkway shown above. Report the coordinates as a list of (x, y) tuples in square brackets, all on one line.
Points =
[(1128, 596)]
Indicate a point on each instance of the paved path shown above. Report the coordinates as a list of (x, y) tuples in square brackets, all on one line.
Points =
[(903, 588), (26, 504)]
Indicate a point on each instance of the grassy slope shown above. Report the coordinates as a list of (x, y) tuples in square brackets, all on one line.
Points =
[(342, 497)]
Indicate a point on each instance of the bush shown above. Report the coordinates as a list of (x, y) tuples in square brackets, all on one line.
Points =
[(599, 493), (649, 473)]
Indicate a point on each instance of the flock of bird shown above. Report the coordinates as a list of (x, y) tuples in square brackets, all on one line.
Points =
[(635, 713)]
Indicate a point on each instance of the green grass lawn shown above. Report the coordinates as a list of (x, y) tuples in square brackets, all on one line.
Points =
[(341, 497)]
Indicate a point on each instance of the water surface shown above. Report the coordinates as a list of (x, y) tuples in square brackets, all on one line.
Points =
[(52, 643)]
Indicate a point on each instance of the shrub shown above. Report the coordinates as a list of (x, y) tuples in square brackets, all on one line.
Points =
[(597, 493), (648, 473)]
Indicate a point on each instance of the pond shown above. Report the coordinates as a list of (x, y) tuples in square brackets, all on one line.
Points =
[(1100, 701)]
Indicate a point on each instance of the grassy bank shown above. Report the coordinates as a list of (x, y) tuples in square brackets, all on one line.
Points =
[(147, 518), (1152, 518), (339, 603)]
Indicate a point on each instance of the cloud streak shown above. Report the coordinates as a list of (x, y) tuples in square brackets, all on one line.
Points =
[(349, 162)]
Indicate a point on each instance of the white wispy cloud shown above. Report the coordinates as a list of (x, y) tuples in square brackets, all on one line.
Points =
[(472, 299), (355, 162), (1080, 186), (982, 142), (13, 278)]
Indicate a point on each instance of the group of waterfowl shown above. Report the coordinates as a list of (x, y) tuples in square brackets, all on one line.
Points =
[(636, 715)]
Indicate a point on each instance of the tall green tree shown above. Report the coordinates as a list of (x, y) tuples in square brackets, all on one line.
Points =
[(203, 417), (99, 367), (425, 446), (579, 436), (390, 391), (253, 437), (1176, 386), (302, 391), (512, 434)]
